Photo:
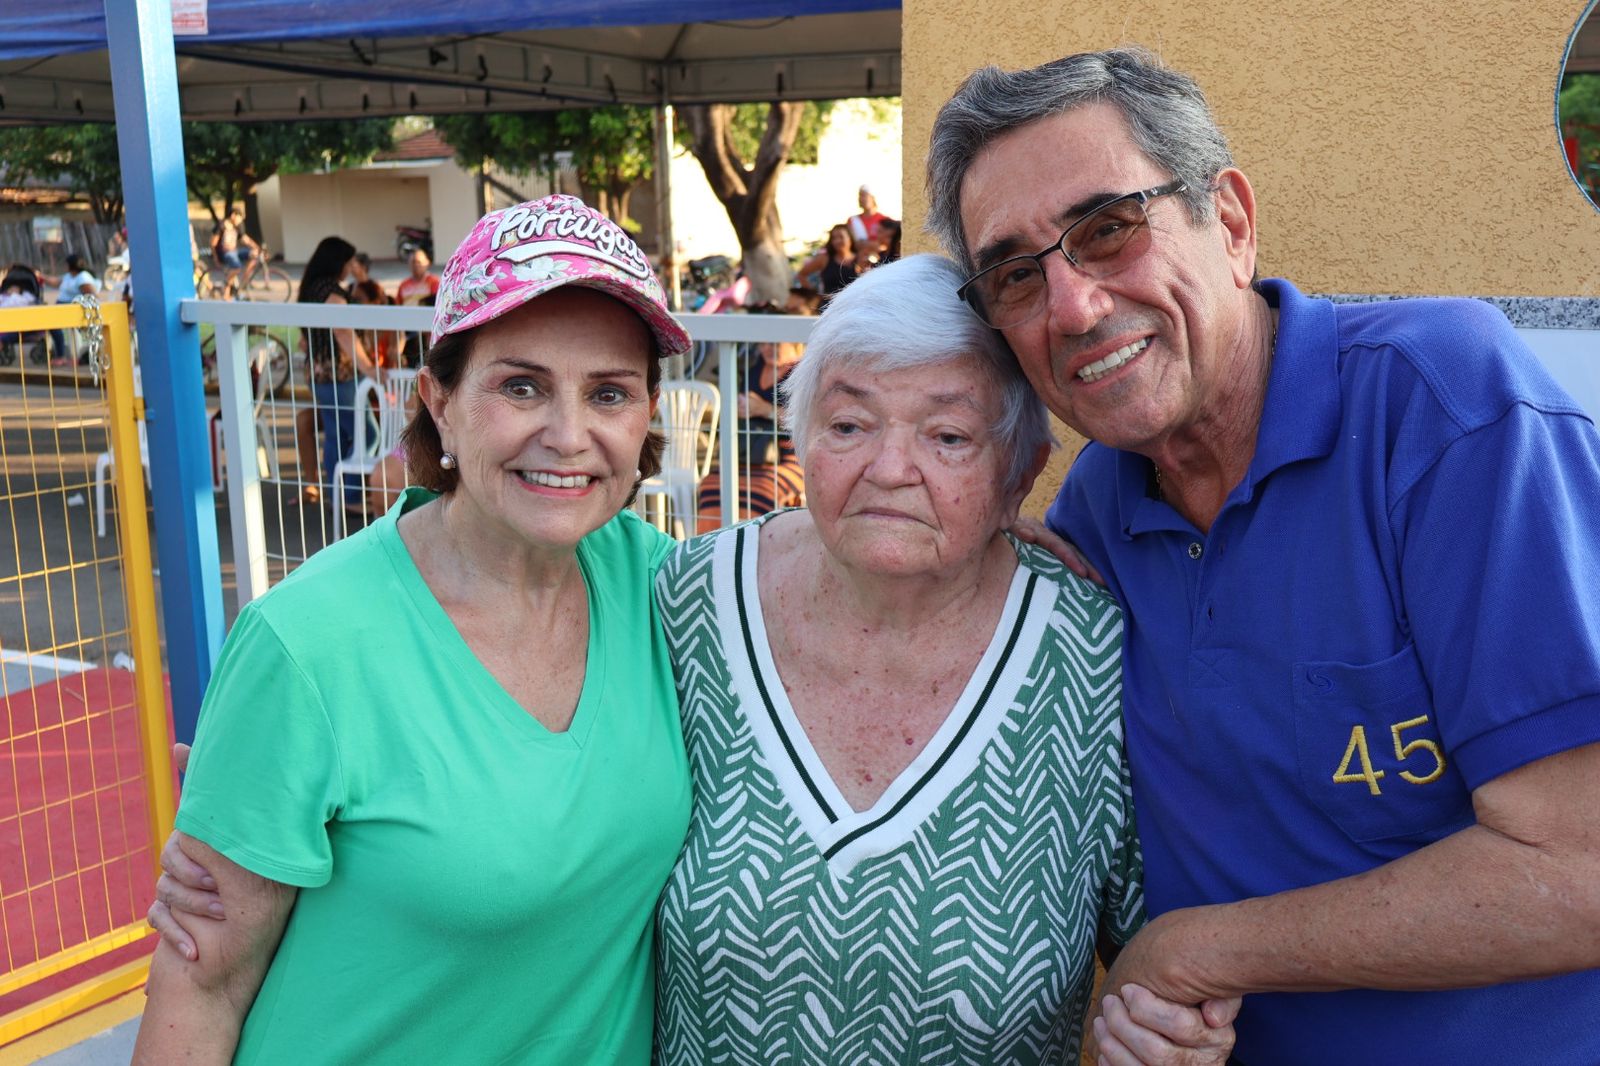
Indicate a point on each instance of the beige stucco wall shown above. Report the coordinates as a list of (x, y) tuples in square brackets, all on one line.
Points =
[(1405, 148), (361, 206), (1397, 148)]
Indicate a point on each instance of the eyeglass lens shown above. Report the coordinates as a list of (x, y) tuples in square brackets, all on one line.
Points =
[(1100, 243)]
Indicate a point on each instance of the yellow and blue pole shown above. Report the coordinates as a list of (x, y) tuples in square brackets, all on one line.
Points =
[(144, 79)]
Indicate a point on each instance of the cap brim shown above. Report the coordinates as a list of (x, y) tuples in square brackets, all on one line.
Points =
[(671, 338)]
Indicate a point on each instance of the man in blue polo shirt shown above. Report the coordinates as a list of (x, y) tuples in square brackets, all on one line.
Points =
[(1358, 549)]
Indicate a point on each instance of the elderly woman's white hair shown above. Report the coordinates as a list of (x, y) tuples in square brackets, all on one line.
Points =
[(906, 314)]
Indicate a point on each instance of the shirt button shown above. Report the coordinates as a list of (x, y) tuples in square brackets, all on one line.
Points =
[(1211, 613), (1195, 550)]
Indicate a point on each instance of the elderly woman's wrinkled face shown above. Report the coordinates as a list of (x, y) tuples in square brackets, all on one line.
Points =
[(548, 419), (904, 474)]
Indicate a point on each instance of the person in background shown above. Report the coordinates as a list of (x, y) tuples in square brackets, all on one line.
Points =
[(19, 288), (235, 251), (420, 283), (361, 269), (769, 470), (336, 357), (78, 281), (803, 300), (864, 225), (888, 239), (417, 289), (382, 345), (835, 265), (1357, 547)]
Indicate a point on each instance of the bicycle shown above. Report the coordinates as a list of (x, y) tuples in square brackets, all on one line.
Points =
[(266, 284), (277, 361)]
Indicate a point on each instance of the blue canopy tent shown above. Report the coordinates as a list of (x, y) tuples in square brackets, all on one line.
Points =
[(288, 60), (280, 59)]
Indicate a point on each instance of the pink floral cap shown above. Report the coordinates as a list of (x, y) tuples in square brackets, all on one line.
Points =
[(516, 254)]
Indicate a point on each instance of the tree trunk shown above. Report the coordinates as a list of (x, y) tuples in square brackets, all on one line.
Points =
[(749, 193)]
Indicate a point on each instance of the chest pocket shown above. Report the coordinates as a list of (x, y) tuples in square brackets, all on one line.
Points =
[(1369, 751)]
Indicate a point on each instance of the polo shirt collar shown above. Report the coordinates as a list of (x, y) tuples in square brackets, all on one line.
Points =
[(1299, 419)]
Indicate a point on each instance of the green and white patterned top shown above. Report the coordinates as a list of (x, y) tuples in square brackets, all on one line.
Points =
[(955, 920)]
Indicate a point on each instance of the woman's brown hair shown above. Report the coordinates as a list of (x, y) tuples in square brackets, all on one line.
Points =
[(447, 360)]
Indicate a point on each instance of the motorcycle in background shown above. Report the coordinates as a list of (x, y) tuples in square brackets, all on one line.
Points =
[(408, 239)]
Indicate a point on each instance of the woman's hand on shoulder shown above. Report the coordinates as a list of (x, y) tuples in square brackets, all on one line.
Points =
[(1139, 1028), (1032, 531)]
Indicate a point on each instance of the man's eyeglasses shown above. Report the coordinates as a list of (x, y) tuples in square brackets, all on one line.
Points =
[(1102, 242)]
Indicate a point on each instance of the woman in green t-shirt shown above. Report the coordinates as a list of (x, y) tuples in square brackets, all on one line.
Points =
[(439, 779)]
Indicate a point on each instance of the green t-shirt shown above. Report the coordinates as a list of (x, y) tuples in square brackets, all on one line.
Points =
[(474, 888)]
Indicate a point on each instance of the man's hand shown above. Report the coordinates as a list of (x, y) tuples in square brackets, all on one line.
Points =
[(1032, 531), (1139, 1028)]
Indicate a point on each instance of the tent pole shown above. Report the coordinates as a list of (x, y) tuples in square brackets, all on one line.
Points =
[(144, 79), (664, 237)]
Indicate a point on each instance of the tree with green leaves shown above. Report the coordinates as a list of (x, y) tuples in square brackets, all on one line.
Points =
[(226, 161), (613, 151), (84, 155), (612, 148)]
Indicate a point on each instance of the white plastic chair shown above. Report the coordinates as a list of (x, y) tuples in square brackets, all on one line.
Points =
[(368, 449), (689, 412), (104, 463)]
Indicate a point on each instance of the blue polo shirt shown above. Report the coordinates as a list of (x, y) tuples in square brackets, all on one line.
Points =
[(1399, 602)]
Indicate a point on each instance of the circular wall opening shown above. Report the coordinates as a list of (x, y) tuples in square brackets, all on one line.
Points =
[(1578, 103)]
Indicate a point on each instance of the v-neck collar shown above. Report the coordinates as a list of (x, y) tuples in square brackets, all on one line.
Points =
[(844, 836), (452, 646)]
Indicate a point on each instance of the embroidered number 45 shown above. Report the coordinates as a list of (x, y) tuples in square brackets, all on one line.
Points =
[(1403, 750)]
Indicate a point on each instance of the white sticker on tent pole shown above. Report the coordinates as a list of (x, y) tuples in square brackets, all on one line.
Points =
[(189, 18)]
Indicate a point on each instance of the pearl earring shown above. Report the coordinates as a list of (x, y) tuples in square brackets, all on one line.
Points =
[(447, 461)]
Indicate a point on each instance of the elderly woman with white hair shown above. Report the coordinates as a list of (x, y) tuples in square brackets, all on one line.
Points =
[(911, 818)]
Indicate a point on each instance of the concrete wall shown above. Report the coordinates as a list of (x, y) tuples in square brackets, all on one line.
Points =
[(362, 206), (269, 204), (1399, 148), (453, 205)]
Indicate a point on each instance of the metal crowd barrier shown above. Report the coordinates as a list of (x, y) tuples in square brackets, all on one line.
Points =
[(86, 783)]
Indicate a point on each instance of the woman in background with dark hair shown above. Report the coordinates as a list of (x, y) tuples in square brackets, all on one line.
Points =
[(888, 241), (835, 265), (336, 356)]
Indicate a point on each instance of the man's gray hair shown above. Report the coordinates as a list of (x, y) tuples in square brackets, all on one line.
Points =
[(905, 314), (1166, 113)]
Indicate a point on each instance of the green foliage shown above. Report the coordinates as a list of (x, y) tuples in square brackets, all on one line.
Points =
[(84, 155), (1579, 108), (225, 161), (612, 148), (750, 122)]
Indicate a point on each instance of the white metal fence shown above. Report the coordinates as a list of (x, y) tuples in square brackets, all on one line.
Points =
[(267, 414), (273, 529)]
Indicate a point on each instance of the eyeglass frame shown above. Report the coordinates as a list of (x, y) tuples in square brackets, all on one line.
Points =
[(1142, 196)]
